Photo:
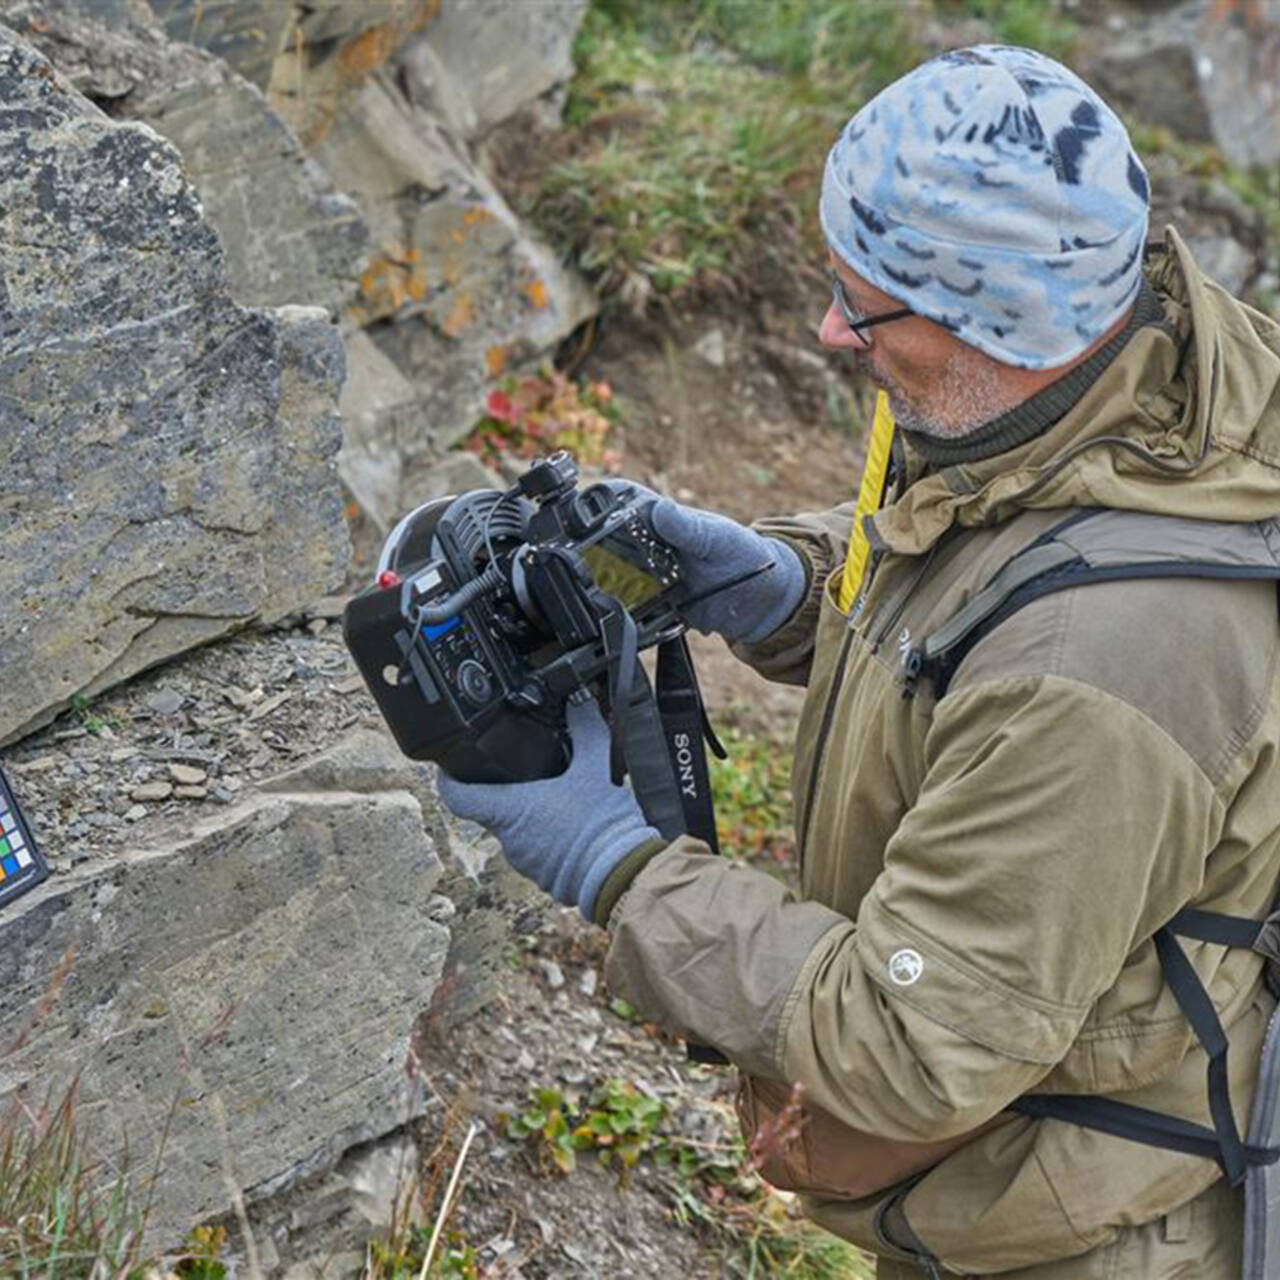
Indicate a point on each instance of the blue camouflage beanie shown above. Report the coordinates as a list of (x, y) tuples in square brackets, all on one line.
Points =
[(994, 192)]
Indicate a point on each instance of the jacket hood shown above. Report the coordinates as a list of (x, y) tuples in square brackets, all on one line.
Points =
[(1185, 421)]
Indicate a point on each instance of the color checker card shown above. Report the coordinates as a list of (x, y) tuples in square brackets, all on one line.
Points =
[(21, 866)]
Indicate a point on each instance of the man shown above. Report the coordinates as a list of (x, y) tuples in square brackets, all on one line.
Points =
[(988, 849)]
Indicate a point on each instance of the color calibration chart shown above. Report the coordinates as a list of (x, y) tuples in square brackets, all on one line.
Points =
[(21, 866)]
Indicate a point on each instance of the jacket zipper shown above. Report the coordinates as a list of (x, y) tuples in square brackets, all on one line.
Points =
[(828, 712), (895, 607)]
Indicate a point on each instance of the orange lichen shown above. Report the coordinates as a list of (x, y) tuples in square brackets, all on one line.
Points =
[(536, 292), (388, 283), (495, 360), (460, 316)]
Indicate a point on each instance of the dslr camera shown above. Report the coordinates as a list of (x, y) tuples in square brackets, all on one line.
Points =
[(491, 611)]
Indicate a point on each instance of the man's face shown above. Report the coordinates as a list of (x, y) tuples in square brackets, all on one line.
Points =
[(936, 384)]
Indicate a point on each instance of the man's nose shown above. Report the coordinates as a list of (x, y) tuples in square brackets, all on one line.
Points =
[(835, 332)]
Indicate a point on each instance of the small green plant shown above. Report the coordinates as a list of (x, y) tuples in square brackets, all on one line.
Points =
[(203, 1250), (711, 1185), (752, 793), (617, 1122), (540, 412), (92, 718), (402, 1258)]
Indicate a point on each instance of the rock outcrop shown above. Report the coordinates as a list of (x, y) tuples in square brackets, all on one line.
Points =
[(289, 237), (257, 908), (169, 456), (250, 987), (351, 185), (1208, 72), (456, 292)]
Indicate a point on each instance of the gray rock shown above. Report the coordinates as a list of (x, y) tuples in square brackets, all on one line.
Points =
[(1201, 73), (246, 36), (1224, 259), (454, 474), (157, 790), (466, 288), (289, 236), (382, 415), (479, 63), (170, 457), (252, 985), (477, 879)]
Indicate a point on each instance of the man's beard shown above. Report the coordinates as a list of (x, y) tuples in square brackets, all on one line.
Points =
[(967, 395)]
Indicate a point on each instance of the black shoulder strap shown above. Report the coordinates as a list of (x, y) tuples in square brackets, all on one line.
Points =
[(1051, 564), (1222, 1143)]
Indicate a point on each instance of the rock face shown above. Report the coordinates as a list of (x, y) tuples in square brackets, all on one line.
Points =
[(465, 288), (289, 237), (456, 289), (252, 985), (169, 457), (1207, 73), (479, 63), (351, 185), (264, 946)]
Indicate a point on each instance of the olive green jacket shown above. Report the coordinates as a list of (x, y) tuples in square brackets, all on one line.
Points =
[(982, 875)]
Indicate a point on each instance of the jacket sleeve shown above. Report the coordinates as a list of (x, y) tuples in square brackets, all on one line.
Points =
[(1055, 830), (821, 539)]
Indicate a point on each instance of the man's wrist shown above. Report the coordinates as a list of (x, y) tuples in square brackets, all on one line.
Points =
[(619, 879), (794, 577)]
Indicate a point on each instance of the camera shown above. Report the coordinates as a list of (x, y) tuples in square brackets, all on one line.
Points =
[(491, 611)]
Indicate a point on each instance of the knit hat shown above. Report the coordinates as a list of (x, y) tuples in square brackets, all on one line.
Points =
[(994, 192)]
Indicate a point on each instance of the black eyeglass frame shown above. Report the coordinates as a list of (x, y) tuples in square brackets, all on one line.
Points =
[(856, 323)]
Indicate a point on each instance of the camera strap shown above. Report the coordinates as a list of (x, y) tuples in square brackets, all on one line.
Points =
[(687, 732)]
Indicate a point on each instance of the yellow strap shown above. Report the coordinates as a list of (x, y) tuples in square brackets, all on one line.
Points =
[(869, 493)]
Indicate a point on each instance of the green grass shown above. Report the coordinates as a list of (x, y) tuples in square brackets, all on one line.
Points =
[(1042, 25), (698, 130), (752, 794), (61, 1214)]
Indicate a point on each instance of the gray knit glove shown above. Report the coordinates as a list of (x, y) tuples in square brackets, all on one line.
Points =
[(715, 551), (567, 833)]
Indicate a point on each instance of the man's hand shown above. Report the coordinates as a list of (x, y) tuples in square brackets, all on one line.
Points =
[(567, 833), (715, 550)]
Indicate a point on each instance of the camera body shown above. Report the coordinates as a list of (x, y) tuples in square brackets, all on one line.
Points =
[(492, 610)]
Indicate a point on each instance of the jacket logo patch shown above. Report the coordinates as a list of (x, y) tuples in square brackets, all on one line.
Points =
[(905, 967), (904, 649)]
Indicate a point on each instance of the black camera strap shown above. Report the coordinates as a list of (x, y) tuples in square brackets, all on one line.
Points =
[(687, 732)]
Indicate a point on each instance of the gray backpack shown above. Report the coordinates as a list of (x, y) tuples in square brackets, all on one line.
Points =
[(1105, 546)]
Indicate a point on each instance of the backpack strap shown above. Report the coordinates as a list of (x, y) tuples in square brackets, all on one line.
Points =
[(1222, 1143), (1115, 546), (1108, 546)]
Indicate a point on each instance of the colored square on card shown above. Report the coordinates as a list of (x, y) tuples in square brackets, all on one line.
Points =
[(24, 858), (10, 865), (7, 821)]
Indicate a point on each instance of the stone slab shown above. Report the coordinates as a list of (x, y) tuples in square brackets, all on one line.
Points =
[(169, 457), (250, 987)]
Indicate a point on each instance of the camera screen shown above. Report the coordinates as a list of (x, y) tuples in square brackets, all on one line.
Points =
[(621, 579)]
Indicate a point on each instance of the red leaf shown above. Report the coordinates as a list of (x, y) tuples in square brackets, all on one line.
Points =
[(497, 404)]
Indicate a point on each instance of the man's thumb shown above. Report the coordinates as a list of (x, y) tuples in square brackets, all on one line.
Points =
[(681, 526)]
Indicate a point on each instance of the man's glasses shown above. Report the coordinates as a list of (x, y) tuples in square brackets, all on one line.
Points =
[(856, 322)]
